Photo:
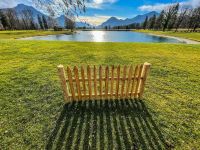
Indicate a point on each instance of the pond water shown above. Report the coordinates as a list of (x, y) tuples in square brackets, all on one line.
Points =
[(106, 36)]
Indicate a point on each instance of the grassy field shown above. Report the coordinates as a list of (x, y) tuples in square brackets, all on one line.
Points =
[(187, 35), (31, 106), (27, 33)]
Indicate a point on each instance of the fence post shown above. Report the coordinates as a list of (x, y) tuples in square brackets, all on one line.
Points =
[(145, 71), (62, 76)]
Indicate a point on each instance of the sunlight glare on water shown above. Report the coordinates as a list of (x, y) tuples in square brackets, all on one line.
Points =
[(98, 36)]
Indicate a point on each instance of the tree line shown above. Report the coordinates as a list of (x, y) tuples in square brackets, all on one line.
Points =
[(25, 20), (173, 17)]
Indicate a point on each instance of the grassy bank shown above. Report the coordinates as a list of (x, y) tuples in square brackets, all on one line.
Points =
[(31, 106), (28, 33), (186, 35)]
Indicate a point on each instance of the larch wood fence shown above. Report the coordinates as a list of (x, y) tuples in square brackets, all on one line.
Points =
[(121, 82)]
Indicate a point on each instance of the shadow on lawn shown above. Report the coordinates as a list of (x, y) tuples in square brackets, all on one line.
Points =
[(119, 124)]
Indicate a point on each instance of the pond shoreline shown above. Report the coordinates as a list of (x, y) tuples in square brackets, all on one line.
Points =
[(186, 41), (106, 36)]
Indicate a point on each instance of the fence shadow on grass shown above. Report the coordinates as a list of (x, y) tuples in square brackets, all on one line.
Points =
[(119, 124)]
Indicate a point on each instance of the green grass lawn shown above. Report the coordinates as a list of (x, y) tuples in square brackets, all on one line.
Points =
[(33, 115), (187, 35), (15, 34)]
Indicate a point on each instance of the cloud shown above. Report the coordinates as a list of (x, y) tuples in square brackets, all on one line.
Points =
[(99, 4), (95, 20), (161, 6)]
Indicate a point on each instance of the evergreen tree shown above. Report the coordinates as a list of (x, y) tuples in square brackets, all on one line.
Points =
[(4, 20), (45, 24), (152, 22), (40, 22), (145, 23), (159, 21)]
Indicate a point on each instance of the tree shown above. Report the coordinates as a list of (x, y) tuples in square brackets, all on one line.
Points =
[(68, 7), (196, 19), (40, 22), (13, 19), (4, 20), (69, 24), (145, 23), (27, 19), (106, 27), (180, 19), (51, 22), (45, 24), (159, 21), (170, 16), (152, 22)]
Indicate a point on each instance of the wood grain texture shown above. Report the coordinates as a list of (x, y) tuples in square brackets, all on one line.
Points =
[(78, 87), (118, 82), (95, 82), (112, 82), (138, 81), (106, 82), (62, 76), (123, 82), (83, 81), (100, 82), (69, 73), (89, 82), (129, 81)]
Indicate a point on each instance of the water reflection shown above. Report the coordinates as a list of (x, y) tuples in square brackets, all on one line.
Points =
[(107, 36), (98, 36)]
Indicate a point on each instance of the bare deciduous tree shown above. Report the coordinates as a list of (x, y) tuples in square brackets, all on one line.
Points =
[(67, 7), (70, 23), (170, 16), (180, 18)]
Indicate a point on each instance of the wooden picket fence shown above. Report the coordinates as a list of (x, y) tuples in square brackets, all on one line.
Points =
[(103, 83)]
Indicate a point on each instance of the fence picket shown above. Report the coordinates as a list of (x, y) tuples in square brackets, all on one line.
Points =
[(100, 82), (138, 81), (118, 81), (95, 82), (133, 81), (106, 81), (89, 82), (69, 73), (61, 73), (83, 81), (112, 82), (77, 82), (123, 82), (146, 68), (129, 80)]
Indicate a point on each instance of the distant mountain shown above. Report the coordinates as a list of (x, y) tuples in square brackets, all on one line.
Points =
[(61, 20), (83, 24), (113, 21), (20, 7)]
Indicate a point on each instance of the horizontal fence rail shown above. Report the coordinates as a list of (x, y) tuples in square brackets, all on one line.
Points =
[(121, 82)]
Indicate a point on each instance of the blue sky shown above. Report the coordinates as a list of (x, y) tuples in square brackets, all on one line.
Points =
[(100, 10)]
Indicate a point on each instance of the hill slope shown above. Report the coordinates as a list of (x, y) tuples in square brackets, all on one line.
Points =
[(113, 21)]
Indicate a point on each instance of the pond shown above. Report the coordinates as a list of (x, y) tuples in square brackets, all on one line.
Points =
[(107, 36)]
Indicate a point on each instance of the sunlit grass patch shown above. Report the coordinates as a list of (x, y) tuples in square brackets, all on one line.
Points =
[(31, 98)]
